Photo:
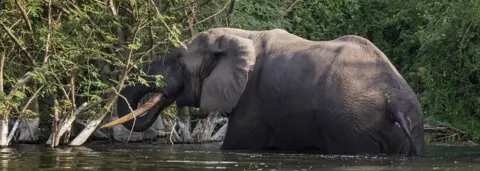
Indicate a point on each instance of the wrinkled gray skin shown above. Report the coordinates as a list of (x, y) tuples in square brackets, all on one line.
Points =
[(283, 92)]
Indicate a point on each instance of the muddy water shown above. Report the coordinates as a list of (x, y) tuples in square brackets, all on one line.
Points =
[(208, 157)]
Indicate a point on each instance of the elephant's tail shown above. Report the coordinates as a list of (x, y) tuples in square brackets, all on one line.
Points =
[(400, 105), (400, 119)]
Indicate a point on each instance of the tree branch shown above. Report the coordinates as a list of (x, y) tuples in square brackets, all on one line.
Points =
[(47, 43), (2, 62), (118, 31), (164, 23), (31, 99), (25, 16), (223, 9), (88, 130), (20, 83), (24, 50), (181, 7), (131, 110), (289, 9), (230, 10), (91, 22), (58, 7)]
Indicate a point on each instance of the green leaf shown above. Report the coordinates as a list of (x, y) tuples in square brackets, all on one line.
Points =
[(19, 94)]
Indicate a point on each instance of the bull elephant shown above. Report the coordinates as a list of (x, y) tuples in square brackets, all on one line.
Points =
[(282, 92)]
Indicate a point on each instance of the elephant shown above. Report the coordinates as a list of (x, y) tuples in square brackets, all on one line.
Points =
[(284, 93)]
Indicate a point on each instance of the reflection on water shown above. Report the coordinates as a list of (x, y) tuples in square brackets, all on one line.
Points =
[(209, 157)]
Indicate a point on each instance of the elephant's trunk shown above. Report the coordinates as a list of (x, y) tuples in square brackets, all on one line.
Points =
[(135, 119)]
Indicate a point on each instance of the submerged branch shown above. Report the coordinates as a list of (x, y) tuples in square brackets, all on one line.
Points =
[(441, 133)]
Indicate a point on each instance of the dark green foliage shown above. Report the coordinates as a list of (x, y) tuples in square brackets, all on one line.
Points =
[(90, 42)]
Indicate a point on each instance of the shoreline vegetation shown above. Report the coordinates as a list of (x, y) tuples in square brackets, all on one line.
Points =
[(209, 130), (63, 63)]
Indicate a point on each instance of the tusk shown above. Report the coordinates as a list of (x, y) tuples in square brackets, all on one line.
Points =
[(144, 108)]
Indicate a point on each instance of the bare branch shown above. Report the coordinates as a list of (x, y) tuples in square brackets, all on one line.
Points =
[(20, 83), (118, 31), (112, 8), (100, 2), (150, 50), (181, 7), (54, 123), (124, 98), (152, 37), (190, 21), (131, 110), (164, 23), (91, 22), (2, 62), (14, 129), (24, 50), (230, 10), (63, 90), (72, 90), (31, 99), (47, 44), (25, 16), (58, 7), (223, 9), (289, 9)]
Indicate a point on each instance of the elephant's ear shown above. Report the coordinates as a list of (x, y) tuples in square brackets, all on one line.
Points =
[(223, 87)]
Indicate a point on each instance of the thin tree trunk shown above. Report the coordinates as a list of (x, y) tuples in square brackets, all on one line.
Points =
[(4, 121), (2, 62), (3, 132), (65, 126), (14, 129), (185, 124), (54, 124), (93, 124)]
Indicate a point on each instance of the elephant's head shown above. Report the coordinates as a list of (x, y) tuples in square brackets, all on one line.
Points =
[(211, 73)]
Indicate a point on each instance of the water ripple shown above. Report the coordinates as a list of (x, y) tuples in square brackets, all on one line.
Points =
[(208, 157)]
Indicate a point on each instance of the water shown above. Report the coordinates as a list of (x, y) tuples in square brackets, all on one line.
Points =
[(208, 157)]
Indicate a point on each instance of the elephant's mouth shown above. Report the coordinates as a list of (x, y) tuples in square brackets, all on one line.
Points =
[(141, 110)]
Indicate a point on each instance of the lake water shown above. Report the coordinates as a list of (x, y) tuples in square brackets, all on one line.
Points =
[(144, 157)]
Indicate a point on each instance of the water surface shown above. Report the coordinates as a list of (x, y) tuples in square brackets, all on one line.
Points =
[(144, 157)]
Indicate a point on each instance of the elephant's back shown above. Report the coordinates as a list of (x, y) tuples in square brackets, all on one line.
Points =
[(337, 87)]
